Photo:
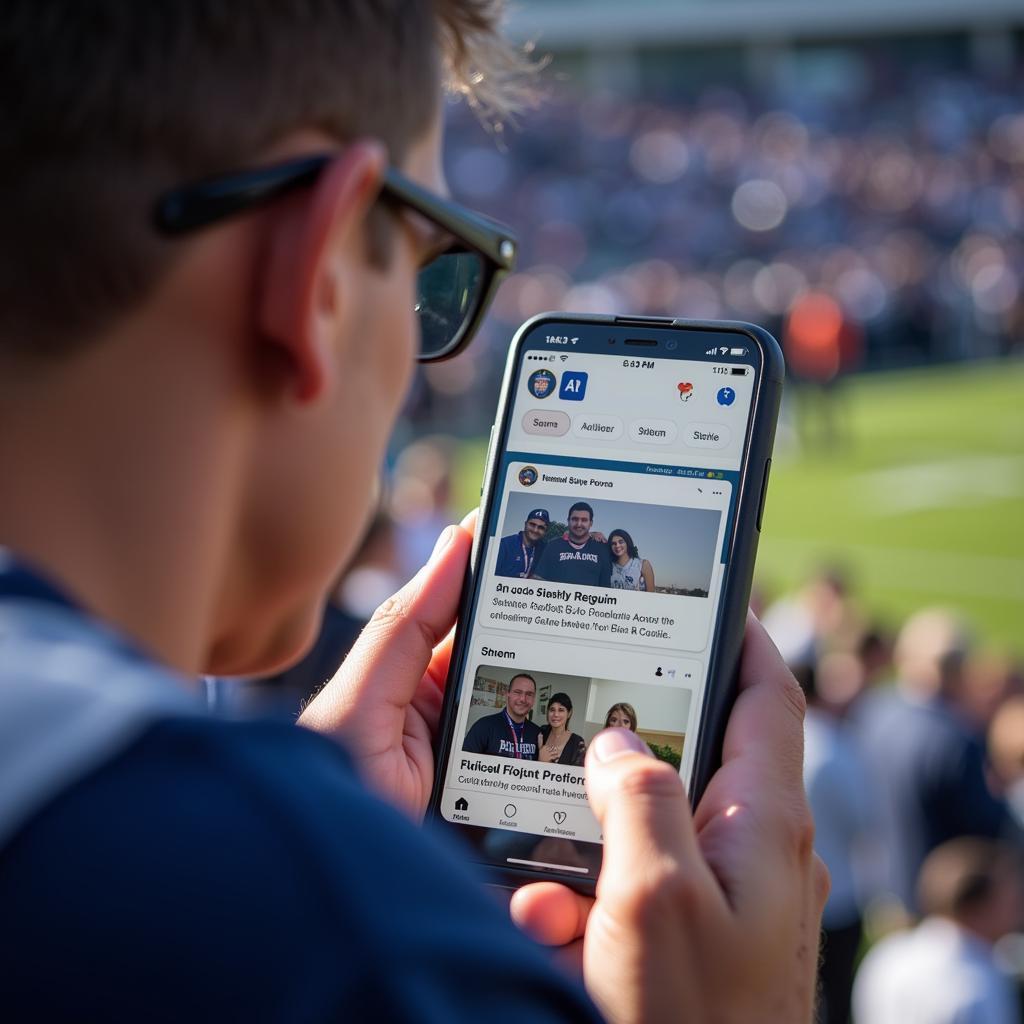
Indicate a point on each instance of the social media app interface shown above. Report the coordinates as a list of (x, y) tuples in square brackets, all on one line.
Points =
[(600, 583)]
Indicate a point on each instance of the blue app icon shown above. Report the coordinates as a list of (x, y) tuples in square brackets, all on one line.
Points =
[(726, 396), (574, 386)]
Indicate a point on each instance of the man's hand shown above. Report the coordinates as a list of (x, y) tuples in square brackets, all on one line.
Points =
[(710, 917), (385, 700)]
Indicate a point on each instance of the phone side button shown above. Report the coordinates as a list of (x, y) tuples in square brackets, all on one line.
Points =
[(764, 493)]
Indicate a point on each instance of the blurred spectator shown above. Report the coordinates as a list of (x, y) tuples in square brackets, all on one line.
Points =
[(944, 970), (843, 808), (420, 500), (928, 763), (1006, 751), (820, 342), (989, 679), (820, 617)]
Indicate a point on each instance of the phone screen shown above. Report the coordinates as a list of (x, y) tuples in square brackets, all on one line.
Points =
[(600, 576)]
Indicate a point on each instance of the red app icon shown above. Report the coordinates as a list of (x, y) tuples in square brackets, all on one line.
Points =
[(685, 390)]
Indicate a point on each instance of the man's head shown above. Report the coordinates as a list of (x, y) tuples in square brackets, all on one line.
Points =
[(536, 525), (522, 692), (930, 653), (581, 519), (976, 883), (245, 376)]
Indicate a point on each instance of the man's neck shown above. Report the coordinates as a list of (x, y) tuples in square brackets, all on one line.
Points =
[(526, 540), (115, 498), (578, 543), (515, 718)]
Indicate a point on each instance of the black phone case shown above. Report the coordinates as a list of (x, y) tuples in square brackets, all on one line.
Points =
[(723, 669)]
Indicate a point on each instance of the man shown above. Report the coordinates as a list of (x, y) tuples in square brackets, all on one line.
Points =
[(843, 806), (579, 558), (944, 971), (518, 552), (211, 222), (509, 733), (928, 765)]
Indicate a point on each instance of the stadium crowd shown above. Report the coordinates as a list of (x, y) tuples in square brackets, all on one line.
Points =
[(870, 226)]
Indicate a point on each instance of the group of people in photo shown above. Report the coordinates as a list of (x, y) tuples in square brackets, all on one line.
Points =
[(580, 555), (511, 732)]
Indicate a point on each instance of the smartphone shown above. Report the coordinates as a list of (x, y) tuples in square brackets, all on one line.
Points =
[(608, 585)]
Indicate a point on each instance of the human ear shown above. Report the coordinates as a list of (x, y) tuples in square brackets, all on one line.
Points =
[(314, 242)]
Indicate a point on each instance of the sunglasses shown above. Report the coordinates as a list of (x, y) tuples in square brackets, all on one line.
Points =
[(453, 290)]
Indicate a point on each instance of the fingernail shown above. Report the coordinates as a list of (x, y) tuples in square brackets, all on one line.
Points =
[(442, 542), (613, 743)]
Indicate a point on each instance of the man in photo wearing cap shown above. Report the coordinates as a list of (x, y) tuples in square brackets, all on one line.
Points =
[(518, 552)]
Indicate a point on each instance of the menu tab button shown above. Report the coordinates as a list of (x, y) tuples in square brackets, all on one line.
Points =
[(541, 421), (653, 431), (706, 435), (603, 428)]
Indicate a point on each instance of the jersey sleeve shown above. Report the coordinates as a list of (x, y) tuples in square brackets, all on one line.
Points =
[(476, 739), (229, 872), (503, 566)]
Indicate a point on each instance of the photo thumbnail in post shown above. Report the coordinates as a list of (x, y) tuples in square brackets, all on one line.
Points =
[(551, 717), (598, 542)]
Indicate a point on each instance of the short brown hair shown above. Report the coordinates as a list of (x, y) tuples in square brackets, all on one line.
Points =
[(962, 875), (110, 103)]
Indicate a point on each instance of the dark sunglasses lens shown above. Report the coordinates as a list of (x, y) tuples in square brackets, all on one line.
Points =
[(449, 292)]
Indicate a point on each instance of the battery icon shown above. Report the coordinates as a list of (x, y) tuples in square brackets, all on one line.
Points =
[(737, 351)]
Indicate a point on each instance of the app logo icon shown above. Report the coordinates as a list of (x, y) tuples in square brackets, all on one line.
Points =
[(528, 476), (541, 383), (726, 396), (574, 386), (685, 390)]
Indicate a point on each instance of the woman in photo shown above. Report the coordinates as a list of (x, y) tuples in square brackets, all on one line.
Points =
[(621, 716), (558, 744), (629, 570)]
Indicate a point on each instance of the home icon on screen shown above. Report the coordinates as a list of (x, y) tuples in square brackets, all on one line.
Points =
[(462, 804)]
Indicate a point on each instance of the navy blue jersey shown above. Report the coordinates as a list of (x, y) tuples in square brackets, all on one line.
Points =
[(563, 562), (225, 872), (515, 557), (160, 865), (499, 735)]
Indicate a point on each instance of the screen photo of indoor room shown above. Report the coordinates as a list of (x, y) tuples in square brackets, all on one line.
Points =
[(657, 712)]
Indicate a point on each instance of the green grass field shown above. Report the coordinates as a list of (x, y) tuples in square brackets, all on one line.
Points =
[(923, 501)]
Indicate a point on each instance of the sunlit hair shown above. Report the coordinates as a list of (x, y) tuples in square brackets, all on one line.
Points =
[(110, 104), (631, 548), (627, 709)]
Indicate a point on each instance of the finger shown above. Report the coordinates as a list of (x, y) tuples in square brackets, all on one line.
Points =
[(396, 646), (441, 658), (644, 814), (767, 723), (758, 792), (551, 913), (469, 521)]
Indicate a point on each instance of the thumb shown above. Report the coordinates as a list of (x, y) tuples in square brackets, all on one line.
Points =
[(644, 814)]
